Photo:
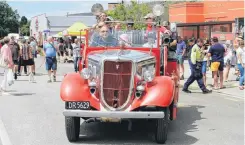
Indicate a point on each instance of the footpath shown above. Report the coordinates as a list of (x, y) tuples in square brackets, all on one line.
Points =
[(231, 89)]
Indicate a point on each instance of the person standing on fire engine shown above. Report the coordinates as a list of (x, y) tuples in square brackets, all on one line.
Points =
[(102, 17), (197, 55), (165, 30)]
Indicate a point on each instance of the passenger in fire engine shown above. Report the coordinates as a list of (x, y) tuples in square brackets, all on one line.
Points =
[(102, 17), (130, 25), (150, 18), (124, 41), (95, 33), (105, 38)]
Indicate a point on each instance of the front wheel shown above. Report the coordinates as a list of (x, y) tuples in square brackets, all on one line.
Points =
[(162, 127), (72, 128)]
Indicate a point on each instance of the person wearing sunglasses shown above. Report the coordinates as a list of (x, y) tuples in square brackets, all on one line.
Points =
[(130, 25), (104, 39)]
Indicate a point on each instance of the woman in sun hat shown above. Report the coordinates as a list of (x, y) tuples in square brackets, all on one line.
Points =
[(124, 38)]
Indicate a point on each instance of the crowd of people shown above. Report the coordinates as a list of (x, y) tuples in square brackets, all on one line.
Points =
[(202, 54), (220, 58), (18, 54)]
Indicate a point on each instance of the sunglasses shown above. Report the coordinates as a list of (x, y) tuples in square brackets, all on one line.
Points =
[(103, 31)]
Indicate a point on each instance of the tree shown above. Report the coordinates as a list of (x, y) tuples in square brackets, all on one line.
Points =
[(25, 29), (8, 19), (133, 11), (23, 21)]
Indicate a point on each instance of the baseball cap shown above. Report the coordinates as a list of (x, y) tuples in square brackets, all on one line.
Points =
[(191, 40), (215, 39), (149, 15), (109, 18), (241, 37)]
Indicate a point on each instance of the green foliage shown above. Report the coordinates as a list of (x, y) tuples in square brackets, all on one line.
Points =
[(25, 29), (8, 19), (23, 21), (133, 11)]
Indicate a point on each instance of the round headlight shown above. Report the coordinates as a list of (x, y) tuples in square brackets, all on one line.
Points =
[(148, 76), (86, 73)]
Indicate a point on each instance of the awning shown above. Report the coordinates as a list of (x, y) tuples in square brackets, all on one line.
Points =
[(75, 30), (204, 23)]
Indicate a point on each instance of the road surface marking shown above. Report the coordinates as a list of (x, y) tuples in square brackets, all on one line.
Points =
[(3, 134), (232, 99), (4, 94)]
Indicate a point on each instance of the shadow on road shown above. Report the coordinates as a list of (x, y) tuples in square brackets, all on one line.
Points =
[(22, 94), (115, 133), (41, 74)]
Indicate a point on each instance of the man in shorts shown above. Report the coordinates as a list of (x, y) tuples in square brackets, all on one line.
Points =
[(49, 51), (216, 52), (181, 48)]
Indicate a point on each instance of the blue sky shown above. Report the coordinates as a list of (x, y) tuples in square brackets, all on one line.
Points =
[(31, 8)]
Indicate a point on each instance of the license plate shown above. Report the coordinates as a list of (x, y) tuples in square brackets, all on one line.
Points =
[(78, 105)]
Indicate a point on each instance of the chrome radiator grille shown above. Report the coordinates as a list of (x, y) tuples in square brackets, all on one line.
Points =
[(116, 83)]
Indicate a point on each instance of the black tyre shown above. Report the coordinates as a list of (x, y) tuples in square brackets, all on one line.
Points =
[(72, 128), (162, 128)]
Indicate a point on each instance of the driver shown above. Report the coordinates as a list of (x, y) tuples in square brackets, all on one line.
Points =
[(104, 39), (151, 40)]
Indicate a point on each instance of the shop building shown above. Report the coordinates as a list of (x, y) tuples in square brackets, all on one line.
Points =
[(43, 26), (208, 18)]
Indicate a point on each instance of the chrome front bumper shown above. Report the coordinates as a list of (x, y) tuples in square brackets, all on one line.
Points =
[(114, 114)]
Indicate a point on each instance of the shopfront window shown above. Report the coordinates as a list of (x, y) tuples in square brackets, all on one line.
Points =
[(221, 28), (187, 32), (204, 32)]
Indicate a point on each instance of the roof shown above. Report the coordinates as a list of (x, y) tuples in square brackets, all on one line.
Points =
[(64, 21), (81, 14)]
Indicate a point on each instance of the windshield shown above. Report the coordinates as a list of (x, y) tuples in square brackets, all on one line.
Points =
[(132, 38)]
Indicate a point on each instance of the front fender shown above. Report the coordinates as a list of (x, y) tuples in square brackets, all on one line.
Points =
[(75, 88), (160, 93)]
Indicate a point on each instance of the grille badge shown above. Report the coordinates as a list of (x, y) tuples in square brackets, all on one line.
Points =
[(117, 66)]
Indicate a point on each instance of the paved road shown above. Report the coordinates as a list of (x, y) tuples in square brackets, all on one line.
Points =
[(31, 114)]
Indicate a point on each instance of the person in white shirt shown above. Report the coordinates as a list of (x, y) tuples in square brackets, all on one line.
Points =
[(228, 59), (241, 63), (76, 54), (205, 60)]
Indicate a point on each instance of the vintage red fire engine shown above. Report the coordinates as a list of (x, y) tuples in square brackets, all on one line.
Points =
[(122, 82)]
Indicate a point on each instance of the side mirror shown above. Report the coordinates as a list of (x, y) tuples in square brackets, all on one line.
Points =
[(173, 27)]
